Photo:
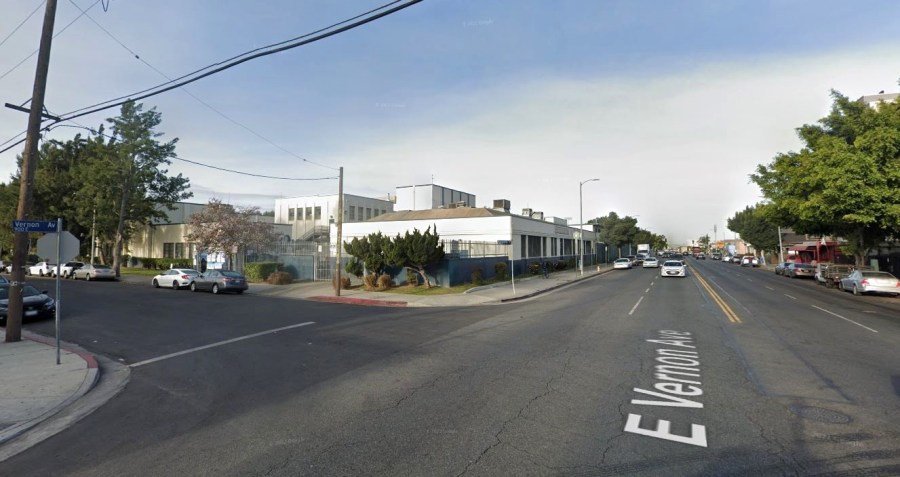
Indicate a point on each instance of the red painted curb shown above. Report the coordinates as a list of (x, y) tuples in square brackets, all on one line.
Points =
[(356, 301), (88, 357)]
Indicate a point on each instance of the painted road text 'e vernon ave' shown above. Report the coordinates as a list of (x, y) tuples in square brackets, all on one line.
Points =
[(678, 374)]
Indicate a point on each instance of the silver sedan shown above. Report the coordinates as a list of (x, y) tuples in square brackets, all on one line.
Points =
[(864, 281)]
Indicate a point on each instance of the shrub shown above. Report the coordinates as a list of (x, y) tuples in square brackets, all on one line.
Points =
[(354, 267), (345, 282), (280, 278), (370, 281), (384, 281), (500, 270), (534, 268), (477, 276), (258, 271), (560, 265), (412, 278)]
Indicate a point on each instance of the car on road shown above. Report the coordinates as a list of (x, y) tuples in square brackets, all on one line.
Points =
[(737, 259), (701, 256), (867, 281), (650, 262), (781, 267), (672, 268), (35, 303), (717, 256), (94, 272), (799, 270), (749, 261), (622, 264), (220, 281), (67, 270), (41, 269), (175, 278)]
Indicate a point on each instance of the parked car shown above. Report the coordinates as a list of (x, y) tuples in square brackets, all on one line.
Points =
[(821, 269), (726, 258), (34, 303), (40, 269), (749, 261), (219, 281), (650, 262), (622, 264), (175, 278), (799, 270), (672, 268), (717, 256), (737, 259), (781, 267), (94, 272), (867, 281), (67, 270)]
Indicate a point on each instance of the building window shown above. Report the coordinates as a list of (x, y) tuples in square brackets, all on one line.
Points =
[(308, 213), (291, 214), (375, 213), (318, 212), (168, 250), (352, 213), (179, 250), (368, 213)]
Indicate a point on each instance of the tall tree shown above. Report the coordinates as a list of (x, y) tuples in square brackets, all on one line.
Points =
[(615, 230), (223, 228), (137, 174), (417, 250), (755, 227), (845, 181)]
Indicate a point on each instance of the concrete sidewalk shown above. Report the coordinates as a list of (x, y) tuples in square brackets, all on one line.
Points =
[(33, 388), (519, 289)]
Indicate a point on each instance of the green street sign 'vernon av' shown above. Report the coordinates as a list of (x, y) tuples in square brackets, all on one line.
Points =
[(69, 247)]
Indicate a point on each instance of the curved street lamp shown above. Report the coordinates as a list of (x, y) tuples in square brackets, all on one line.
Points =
[(581, 227)]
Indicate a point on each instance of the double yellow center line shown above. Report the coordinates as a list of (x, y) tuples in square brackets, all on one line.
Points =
[(732, 316)]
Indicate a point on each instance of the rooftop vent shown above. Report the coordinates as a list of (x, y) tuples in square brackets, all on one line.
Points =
[(527, 212), (501, 204)]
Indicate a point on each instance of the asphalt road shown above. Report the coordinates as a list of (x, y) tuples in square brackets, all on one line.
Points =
[(729, 371)]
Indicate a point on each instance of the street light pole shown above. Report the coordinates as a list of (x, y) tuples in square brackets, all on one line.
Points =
[(581, 227)]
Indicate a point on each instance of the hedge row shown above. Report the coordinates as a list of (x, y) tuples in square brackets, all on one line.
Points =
[(260, 271)]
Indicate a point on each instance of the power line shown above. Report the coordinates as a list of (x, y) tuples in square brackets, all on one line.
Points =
[(81, 112), (250, 174), (189, 93), (60, 32), (233, 58), (23, 22)]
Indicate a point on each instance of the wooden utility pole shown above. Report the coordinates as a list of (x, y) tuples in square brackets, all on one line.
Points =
[(340, 223), (29, 161)]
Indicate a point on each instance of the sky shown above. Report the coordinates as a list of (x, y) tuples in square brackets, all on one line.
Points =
[(670, 104)]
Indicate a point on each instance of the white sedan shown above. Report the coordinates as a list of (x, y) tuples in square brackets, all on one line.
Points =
[(651, 262), (622, 264), (175, 278), (672, 268)]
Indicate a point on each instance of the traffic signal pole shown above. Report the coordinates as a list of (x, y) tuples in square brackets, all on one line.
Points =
[(26, 180)]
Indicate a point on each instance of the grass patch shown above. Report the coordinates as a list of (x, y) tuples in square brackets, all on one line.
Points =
[(421, 290), (144, 272)]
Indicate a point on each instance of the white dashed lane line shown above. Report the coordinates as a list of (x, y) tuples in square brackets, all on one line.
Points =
[(846, 319), (791, 297), (635, 306), (770, 288)]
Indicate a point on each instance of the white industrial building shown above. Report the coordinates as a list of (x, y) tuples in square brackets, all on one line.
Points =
[(526, 236), (431, 196), (310, 216)]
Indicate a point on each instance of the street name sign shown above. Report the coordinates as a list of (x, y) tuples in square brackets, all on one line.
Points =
[(34, 226)]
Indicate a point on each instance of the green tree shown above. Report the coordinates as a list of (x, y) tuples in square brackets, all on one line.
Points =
[(659, 242), (756, 227), (615, 230), (845, 181), (416, 250), (371, 250), (136, 174)]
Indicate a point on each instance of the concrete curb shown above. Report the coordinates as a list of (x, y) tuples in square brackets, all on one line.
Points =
[(357, 301), (90, 380), (536, 293)]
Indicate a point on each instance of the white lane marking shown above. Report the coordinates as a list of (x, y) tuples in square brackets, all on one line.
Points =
[(635, 306), (220, 343), (647, 290), (770, 288), (847, 319), (791, 297), (749, 279)]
